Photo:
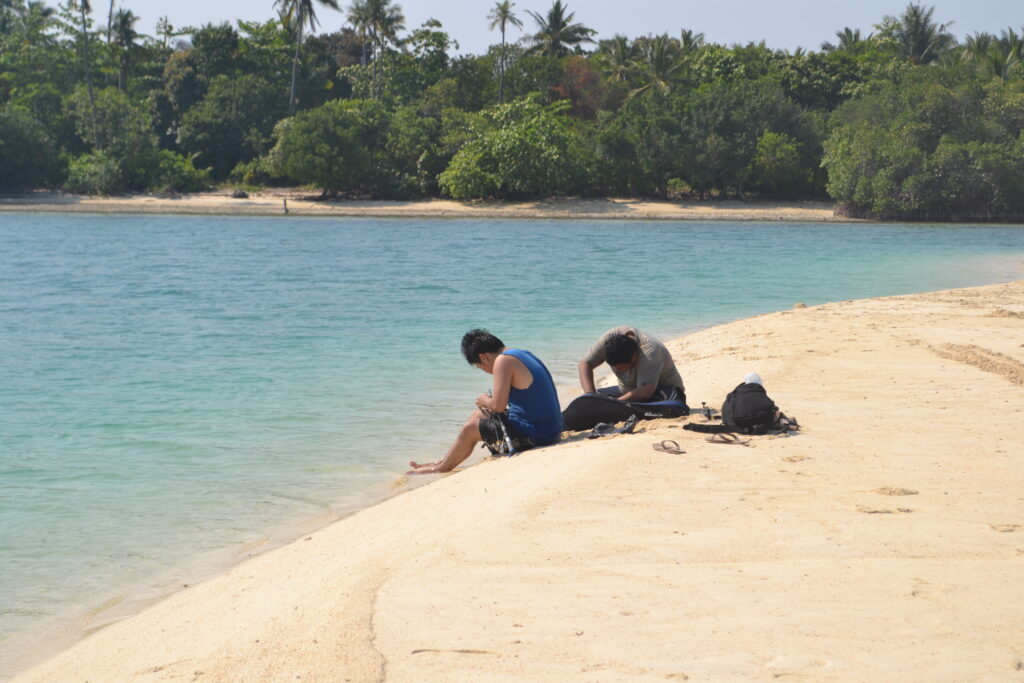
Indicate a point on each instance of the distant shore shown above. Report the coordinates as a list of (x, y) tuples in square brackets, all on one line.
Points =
[(273, 202)]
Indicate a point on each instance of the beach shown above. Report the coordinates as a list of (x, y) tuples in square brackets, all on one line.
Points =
[(294, 202), (884, 541)]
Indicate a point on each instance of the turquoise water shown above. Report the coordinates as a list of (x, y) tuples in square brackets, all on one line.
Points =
[(177, 388)]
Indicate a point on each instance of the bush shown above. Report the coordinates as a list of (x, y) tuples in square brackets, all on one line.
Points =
[(927, 149), (28, 156), (163, 172), (333, 146), (96, 173), (529, 150)]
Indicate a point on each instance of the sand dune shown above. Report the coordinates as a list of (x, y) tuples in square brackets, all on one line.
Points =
[(885, 542)]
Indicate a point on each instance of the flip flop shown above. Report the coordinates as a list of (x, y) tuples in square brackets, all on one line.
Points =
[(669, 446), (728, 439)]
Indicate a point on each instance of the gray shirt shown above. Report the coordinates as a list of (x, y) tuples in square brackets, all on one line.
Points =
[(654, 363)]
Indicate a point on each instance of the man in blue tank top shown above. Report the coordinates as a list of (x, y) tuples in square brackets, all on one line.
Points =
[(523, 402)]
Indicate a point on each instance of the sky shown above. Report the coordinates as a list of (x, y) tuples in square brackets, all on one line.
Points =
[(782, 24)]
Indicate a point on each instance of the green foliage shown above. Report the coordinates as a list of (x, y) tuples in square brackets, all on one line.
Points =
[(917, 125), (723, 126), (934, 145), (152, 170), (120, 126), (526, 150), (96, 173), (727, 137), (28, 156), (333, 146), (165, 172), (215, 50), (233, 123), (777, 167)]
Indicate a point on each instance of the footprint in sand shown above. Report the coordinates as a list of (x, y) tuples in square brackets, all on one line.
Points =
[(1006, 528), (893, 491), (881, 511), (796, 458)]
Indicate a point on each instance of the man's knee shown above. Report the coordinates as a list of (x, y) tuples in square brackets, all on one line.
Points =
[(472, 425)]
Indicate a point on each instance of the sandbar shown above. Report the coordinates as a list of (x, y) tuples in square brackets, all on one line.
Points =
[(883, 542)]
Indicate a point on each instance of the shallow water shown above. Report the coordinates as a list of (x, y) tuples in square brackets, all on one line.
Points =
[(177, 388)]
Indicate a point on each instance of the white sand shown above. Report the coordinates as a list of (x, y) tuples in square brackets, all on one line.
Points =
[(304, 203), (886, 542)]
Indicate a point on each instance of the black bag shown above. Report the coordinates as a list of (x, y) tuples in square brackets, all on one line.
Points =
[(748, 410), (586, 411)]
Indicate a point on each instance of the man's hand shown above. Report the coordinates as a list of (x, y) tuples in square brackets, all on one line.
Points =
[(640, 394), (483, 401)]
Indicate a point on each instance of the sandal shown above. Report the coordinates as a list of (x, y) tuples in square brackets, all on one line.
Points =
[(727, 438), (669, 446)]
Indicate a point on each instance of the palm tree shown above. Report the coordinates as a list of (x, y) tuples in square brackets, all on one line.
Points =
[(918, 38), (359, 17), (690, 42), (976, 46), (385, 21), (501, 16), (850, 41), (556, 33), (659, 61), (298, 14), (618, 57), (124, 36), (997, 56), (110, 21)]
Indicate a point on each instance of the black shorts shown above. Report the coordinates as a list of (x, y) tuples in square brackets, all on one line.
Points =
[(490, 430)]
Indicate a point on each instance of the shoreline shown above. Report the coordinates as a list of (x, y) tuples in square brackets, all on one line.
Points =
[(300, 203), (392, 542)]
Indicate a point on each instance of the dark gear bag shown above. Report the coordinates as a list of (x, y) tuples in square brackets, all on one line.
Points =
[(587, 411), (748, 410)]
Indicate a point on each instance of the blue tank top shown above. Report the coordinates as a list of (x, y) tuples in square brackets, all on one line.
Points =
[(535, 411)]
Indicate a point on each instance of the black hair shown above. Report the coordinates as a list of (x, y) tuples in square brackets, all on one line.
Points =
[(620, 349), (479, 341)]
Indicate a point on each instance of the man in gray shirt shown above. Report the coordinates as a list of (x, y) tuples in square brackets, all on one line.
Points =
[(642, 364)]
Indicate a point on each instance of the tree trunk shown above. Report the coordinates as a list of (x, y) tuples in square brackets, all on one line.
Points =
[(88, 77), (295, 65), (377, 51), (501, 70)]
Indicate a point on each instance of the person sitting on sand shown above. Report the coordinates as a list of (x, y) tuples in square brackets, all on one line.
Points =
[(523, 400), (641, 363)]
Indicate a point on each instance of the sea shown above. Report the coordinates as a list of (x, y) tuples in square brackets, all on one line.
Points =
[(178, 393)]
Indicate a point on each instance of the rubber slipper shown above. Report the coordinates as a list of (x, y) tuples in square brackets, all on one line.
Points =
[(728, 439), (669, 446)]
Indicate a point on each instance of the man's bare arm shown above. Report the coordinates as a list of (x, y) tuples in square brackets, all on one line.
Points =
[(586, 377), (640, 393), (504, 366)]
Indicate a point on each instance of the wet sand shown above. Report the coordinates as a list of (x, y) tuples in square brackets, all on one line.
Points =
[(884, 542)]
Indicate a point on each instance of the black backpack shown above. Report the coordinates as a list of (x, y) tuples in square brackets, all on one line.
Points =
[(748, 410)]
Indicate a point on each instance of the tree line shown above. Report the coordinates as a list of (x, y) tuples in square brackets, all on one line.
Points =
[(904, 122)]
